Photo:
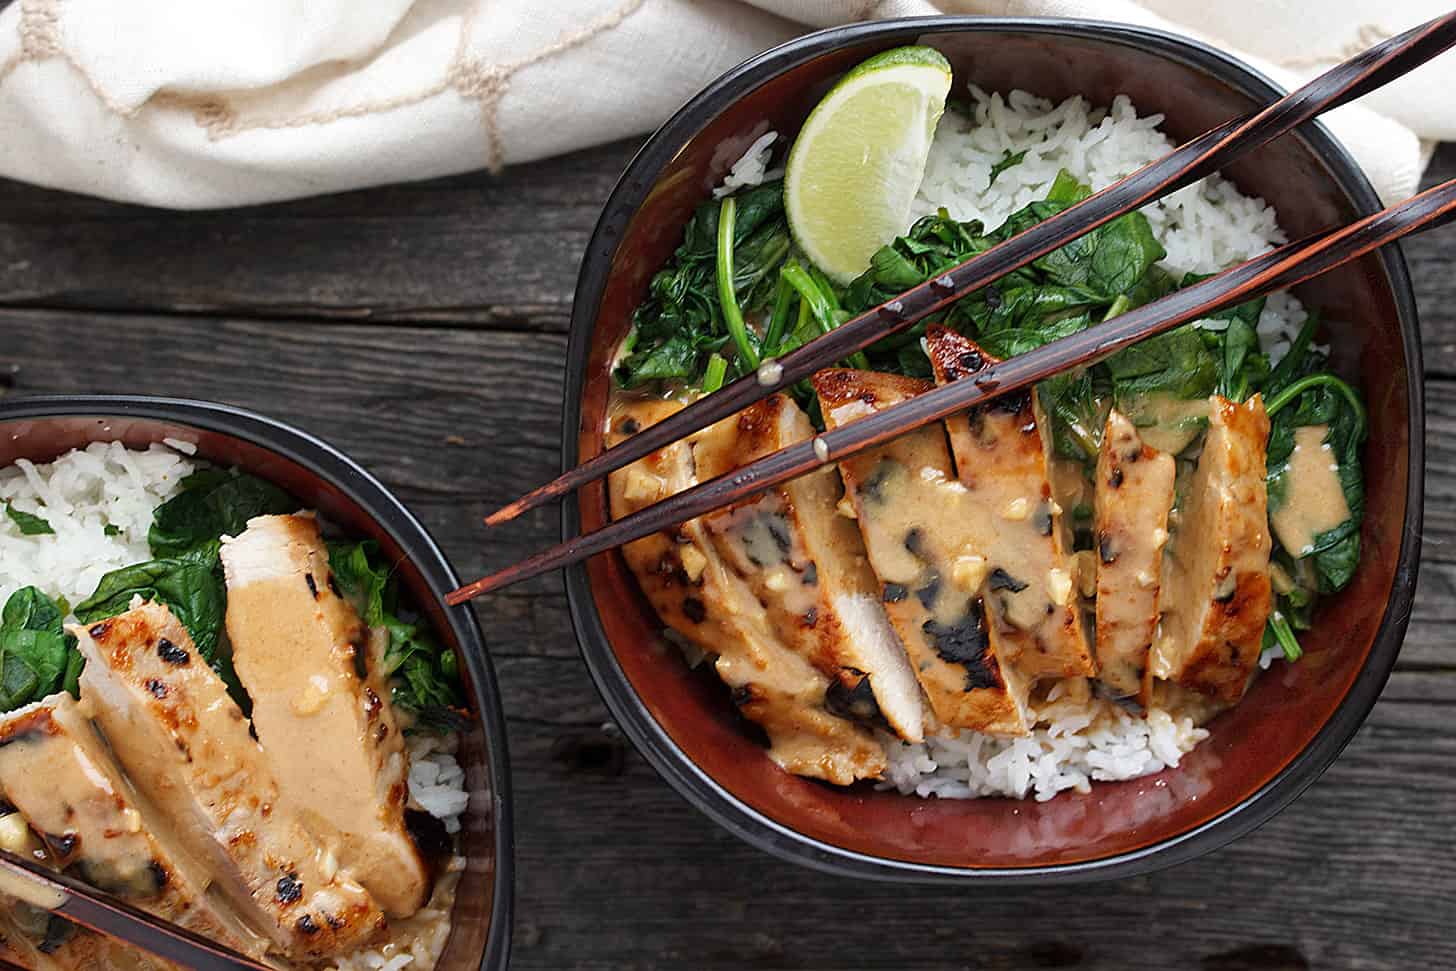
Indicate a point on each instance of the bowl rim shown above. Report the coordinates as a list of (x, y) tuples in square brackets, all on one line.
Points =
[(333, 466), (765, 833)]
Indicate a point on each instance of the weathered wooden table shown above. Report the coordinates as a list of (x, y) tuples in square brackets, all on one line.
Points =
[(422, 329)]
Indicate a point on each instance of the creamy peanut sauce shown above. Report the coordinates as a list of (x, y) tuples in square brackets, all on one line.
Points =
[(1166, 422), (1313, 502), (929, 543), (299, 647), (1134, 495), (807, 565), (52, 770), (1005, 461)]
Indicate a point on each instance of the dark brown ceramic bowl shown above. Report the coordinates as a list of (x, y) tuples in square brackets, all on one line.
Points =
[(322, 478), (1261, 754)]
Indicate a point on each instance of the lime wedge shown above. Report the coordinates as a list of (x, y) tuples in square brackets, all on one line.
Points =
[(859, 159)]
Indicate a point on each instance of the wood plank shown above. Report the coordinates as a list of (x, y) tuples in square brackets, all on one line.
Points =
[(1429, 257), (475, 249), (1356, 874), (618, 872), (495, 251)]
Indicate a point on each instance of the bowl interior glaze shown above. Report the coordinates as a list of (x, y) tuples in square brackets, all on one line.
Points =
[(684, 721), (323, 479)]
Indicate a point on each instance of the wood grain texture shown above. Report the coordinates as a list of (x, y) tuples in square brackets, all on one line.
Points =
[(500, 252), (616, 871)]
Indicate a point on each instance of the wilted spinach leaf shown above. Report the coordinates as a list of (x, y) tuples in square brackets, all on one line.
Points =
[(680, 323), (425, 680), (1175, 362), (1109, 260), (361, 574), (194, 592), (29, 609), (37, 657), (28, 523), (1008, 160), (212, 503)]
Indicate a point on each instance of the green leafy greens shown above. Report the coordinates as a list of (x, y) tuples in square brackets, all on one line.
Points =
[(212, 503), (37, 657), (426, 677), (1302, 392), (28, 523), (192, 591), (681, 322)]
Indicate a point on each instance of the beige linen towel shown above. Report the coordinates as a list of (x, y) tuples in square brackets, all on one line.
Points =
[(227, 102)]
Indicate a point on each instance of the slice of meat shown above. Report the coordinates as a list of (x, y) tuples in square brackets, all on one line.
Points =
[(921, 531), (1002, 457), (807, 564), (36, 938), (56, 772), (186, 747), (1133, 497), (699, 597), (298, 647), (1218, 596)]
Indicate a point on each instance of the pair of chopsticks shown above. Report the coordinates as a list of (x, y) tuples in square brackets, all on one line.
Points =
[(1202, 156), (74, 901)]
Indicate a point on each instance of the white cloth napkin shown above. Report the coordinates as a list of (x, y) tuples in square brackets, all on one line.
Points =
[(199, 104)]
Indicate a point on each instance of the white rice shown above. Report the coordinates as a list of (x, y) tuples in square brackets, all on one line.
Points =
[(436, 779), (1205, 227), (1079, 738), (79, 495), (752, 168), (84, 491)]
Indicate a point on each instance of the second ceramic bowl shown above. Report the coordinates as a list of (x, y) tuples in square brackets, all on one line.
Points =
[(324, 479)]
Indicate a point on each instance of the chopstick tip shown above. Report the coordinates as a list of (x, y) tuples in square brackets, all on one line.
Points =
[(457, 597)]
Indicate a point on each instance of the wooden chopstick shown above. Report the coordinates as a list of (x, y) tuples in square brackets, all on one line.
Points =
[(1276, 270), (1205, 154), (80, 904)]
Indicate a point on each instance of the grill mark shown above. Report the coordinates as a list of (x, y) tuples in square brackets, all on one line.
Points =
[(290, 889), (1001, 580), (172, 654)]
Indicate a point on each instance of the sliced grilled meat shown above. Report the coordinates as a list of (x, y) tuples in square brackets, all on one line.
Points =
[(1002, 456), (186, 746), (1134, 494), (299, 647), (1218, 596), (920, 528), (699, 597)]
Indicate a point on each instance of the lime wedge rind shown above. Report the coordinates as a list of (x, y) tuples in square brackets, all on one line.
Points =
[(857, 163)]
